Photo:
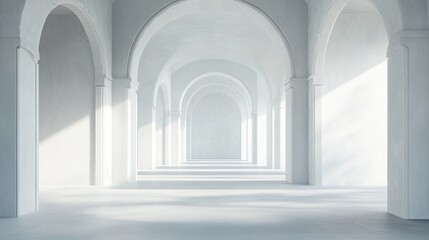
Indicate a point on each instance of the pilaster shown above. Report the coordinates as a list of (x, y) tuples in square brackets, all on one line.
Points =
[(297, 131)]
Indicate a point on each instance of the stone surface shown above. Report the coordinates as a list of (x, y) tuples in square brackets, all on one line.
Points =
[(214, 210)]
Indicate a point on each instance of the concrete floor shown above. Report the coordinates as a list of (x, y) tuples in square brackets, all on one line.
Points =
[(212, 210)]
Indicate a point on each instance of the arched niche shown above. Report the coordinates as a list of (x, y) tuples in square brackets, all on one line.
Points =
[(33, 19), (216, 114), (66, 102), (392, 15), (227, 85), (354, 99)]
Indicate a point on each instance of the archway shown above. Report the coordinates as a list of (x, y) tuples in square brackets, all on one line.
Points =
[(354, 99), (151, 66), (391, 22), (228, 86), (66, 101), (31, 27)]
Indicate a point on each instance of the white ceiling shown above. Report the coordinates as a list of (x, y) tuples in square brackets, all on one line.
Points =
[(359, 6), (218, 29)]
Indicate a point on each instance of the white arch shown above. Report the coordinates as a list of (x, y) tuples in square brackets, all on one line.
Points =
[(34, 16), (393, 23), (33, 20), (173, 11), (230, 92), (237, 85), (392, 20)]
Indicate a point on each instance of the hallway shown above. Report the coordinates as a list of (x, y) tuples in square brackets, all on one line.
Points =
[(212, 210), (214, 119)]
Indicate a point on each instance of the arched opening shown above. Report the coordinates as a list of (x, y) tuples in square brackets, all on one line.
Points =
[(50, 118), (202, 42), (71, 103), (228, 86), (353, 98), (66, 98)]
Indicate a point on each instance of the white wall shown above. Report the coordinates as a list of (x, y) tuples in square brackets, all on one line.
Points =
[(215, 128), (66, 103), (160, 124), (354, 103)]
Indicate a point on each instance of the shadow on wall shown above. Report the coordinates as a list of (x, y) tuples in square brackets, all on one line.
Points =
[(354, 118), (67, 102)]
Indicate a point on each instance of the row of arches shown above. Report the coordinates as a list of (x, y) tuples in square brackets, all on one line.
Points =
[(165, 104), (175, 86), (210, 61), (162, 110)]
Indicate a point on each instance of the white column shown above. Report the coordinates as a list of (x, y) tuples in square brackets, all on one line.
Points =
[(254, 137), (297, 131), (282, 153), (124, 142), (103, 133), (168, 138), (269, 137), (154, 158), (276, 137), (249, 138), (18, 129), (408, 119), (175, 138), (315, 131), (244, 137)]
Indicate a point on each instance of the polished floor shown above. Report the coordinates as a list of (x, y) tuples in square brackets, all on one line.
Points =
[(218, 210)]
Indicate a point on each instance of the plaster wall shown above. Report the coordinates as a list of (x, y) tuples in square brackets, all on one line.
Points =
[(66, 103), (354, 102), (417, 166), (26, 144), (8, 126), (9, 42), (215, 128)]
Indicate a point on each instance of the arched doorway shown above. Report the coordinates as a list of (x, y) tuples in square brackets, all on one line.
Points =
[(193, 53), (31, 27)]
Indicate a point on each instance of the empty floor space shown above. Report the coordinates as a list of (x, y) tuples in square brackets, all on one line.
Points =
[(162, 210)]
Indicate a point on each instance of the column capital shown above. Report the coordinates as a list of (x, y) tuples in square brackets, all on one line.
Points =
[(315, 80), (402, 38), (295, 80), (410, 34), (103, 81), (127, 83)]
